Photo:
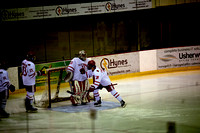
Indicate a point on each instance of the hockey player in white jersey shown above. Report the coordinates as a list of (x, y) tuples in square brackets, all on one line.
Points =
[(77, 73), (28, 78), (5, 86), (101, 80)]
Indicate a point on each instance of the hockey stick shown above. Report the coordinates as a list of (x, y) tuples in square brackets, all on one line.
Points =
[(59, 81), (64, 62), (58, 84), (73, 93), (34, 99), (70, 84)]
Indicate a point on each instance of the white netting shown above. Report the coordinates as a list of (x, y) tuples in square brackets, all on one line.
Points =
[(55, 88)]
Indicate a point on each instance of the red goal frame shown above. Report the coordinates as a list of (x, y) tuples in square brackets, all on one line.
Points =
[(49, 71)]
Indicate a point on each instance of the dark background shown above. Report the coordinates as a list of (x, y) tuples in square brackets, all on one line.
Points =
[(51, 39)]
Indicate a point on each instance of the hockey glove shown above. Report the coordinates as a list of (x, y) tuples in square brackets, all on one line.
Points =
[(100, 87), (39, 73), (91, 89), (11, 88)]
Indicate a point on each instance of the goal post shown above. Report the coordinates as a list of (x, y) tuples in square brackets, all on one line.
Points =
[(58, 83), (53, 87)]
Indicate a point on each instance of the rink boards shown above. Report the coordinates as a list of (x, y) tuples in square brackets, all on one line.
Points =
[(150, 61)]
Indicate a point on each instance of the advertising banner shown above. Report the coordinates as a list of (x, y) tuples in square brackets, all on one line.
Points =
[(119, 63), (66, 10), (112, 6), (42, 80), (73, 9), (98, 7), (32, 13), (178, 57), (143, 4), (10, 14), (84, 9), (49, 11)]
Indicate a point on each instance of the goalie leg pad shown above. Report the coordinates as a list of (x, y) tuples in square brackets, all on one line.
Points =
[(85, 88), (82, 87), (80, 95), (75, 99)]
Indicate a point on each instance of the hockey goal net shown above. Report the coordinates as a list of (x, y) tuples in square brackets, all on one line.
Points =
[(55, 88)]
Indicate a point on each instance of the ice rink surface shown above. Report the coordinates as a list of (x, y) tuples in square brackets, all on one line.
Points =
[(152, 102)]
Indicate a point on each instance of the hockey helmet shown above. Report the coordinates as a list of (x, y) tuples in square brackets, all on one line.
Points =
[(91, 64), (31, 56), (82, 55)]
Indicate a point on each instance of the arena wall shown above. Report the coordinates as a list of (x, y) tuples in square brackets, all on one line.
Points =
[(146, 62)]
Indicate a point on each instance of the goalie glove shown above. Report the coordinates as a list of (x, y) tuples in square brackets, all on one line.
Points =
[(92, 88), (11, 88)]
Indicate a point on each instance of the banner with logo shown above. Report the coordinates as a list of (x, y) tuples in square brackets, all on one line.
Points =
[(42, 80), (73, 9), (178, 57), (119, 63)]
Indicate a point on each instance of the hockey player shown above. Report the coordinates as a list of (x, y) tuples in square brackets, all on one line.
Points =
[(101, 80), (77, 73), (5, 85), (28, 78)]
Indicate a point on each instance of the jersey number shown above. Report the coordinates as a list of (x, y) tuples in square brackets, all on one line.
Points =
[(24, 70)]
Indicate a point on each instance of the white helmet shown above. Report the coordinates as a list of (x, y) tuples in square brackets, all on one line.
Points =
[(82, 55)]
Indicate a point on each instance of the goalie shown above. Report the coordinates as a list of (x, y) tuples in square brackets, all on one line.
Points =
[(77, 78)]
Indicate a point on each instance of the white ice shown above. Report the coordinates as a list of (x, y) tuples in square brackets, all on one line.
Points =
[(152, 102)]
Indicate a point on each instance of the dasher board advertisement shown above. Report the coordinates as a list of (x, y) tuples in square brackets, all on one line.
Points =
[(119, 63), (178, 57)]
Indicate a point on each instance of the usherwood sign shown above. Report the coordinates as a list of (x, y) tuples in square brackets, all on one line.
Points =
[(119, 63), (178, 57)]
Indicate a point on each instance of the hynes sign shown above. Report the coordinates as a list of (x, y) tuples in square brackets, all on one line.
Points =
[(112, 63)]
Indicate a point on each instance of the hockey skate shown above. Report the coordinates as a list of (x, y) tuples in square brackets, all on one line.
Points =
[(123, 104), (74, 104), (29, 107), (83, 103), (98, 103), (4, 114)]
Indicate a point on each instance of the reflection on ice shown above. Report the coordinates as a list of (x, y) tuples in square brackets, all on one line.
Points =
[(155, 103)]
